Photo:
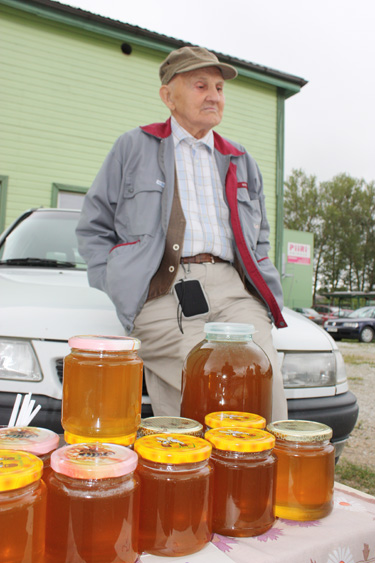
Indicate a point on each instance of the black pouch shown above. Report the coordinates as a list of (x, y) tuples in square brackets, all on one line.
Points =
[(191, 298)]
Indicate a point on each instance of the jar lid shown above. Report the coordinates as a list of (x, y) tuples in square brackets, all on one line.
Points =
[(94, 460), (223, 419), (125, 440), (30, 439), (18, 469), (300, 430), (173, 448), (104, 343), (237, 439), (229, 330), (170, 424)]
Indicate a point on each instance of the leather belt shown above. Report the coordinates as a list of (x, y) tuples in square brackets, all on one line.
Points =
[(201, 258)]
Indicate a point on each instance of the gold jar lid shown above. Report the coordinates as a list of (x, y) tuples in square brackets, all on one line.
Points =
[(300, 430), (169, 424)]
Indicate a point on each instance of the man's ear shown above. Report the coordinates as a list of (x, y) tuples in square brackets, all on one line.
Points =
[(165, 95)]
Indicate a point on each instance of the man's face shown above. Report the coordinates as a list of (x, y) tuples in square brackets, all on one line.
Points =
[(196, 99)]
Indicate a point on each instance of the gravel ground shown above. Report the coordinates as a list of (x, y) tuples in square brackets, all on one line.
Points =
[(360, 367)]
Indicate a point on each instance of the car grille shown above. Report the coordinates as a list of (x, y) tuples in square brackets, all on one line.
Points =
[(59, 368)]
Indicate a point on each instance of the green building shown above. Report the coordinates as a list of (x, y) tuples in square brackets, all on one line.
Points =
[(72, 82)]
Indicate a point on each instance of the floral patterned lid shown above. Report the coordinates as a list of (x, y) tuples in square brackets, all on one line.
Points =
[(300, 430), (222, 419), (18, 469), (237, 439), (170, 424), (30, 439), (94, 460), (173, 448)]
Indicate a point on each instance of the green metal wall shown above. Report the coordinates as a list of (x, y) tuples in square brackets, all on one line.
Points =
[(67, 93)]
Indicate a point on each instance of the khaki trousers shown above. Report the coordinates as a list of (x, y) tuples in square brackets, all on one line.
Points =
[(164, 347)]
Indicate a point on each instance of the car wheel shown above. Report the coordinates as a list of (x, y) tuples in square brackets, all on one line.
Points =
[(366, 334)]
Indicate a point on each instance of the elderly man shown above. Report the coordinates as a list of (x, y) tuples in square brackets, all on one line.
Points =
[(176, 201)]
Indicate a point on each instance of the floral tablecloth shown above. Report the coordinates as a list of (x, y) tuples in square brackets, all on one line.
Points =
[(347, 535)]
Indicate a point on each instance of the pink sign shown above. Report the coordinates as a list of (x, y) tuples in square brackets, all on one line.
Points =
[(298, 253)]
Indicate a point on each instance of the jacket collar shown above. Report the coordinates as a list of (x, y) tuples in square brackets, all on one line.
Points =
[(164, 130)]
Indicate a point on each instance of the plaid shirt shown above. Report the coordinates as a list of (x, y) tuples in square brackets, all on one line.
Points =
[(201, 194)]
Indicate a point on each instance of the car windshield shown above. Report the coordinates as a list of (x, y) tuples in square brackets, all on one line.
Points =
[(43, 239), (362, 313)]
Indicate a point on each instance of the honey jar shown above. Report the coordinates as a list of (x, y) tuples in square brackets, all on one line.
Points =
[(22, 507), (168, 425), (176, 494), (93, 504), (225, 419), (226, 371), (244, 481), (306, 467), (102, 389), (38, 441)]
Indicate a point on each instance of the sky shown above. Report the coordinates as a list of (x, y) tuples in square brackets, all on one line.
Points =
[(330, 123)]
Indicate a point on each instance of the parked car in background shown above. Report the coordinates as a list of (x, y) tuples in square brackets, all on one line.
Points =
[(326, 311), (310, 314), (45, 299), (358, 325)]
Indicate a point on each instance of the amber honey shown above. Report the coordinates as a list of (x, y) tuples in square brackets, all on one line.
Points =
[(306, 466), (176, 494), (22, 508), (226, 372), (102, 388), (92, 513), (244, 481)]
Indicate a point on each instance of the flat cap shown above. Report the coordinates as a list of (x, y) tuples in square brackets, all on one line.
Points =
[(192, 58)]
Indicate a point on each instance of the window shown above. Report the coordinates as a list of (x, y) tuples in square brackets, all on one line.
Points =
[(67, 197)]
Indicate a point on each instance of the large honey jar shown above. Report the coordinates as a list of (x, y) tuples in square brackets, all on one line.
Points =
[(22, 508), (226, 371), (92, 504), (306, 467), (244, 481), (38, 441), (176, 494), (102, 389)]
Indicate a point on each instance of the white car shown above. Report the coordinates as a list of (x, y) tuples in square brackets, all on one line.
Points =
[(45, 299)]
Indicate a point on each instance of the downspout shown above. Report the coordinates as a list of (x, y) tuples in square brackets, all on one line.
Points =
[(280, 179)]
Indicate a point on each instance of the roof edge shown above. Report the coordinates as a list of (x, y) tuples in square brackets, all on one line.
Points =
[(77, 17)]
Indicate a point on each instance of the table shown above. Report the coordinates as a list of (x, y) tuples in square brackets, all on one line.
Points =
[(347, 535)]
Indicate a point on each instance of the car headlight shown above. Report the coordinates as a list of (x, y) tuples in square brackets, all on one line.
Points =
[(18, 361), (350, 325), (312, 369)]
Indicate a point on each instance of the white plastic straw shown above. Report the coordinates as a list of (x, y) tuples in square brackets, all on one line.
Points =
[(16, 405), (35, 411)]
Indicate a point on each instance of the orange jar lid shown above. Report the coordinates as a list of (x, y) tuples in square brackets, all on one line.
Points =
[(104, 343), (38, 441), (237, 439), (94, 460), (173, 448), (18, 469), (300, 430), (224, 419), (126, 440)]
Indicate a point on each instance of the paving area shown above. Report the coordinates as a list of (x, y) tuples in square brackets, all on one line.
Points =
[(360, 367)]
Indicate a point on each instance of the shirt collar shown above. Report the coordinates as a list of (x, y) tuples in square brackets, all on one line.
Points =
[(180, 134)]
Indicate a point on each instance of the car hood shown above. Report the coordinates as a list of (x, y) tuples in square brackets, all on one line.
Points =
[(42, 303)]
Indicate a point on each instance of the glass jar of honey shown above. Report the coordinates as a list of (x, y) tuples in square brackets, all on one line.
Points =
[(225, 419), (244, 481), (93, 504), (168, 425), (176, 494), (102, 389), (226, 371), (38, 441), (22, 507), (305, 471)]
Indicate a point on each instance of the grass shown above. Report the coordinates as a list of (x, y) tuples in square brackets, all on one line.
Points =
[(355, 476), (357, 361)]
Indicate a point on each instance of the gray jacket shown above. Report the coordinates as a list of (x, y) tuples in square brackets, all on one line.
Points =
[(126, 215)]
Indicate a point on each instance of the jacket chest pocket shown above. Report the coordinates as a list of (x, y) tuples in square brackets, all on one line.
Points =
[(250, 214), (141, 213)]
